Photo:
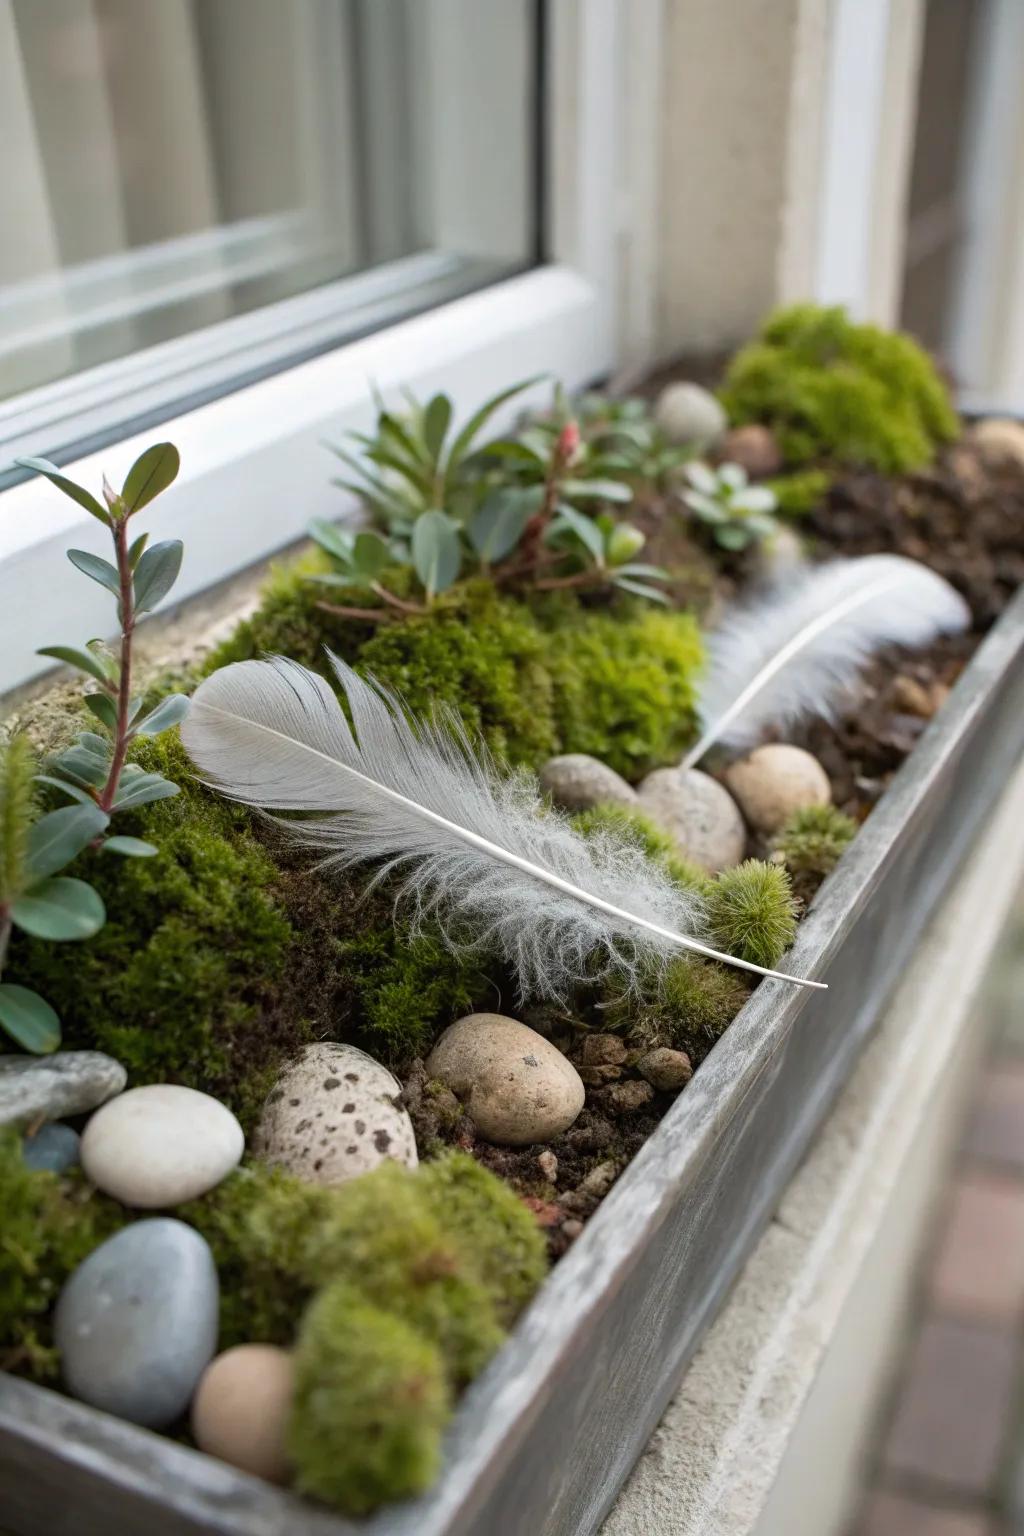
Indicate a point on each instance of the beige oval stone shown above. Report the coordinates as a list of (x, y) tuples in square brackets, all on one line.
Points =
[(999, 440), (241, 1407), (776, 780), (333, 1114), (516, 1086), (698, 813)]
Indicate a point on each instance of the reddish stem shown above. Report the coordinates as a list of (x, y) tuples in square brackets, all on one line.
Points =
[(122, 736)]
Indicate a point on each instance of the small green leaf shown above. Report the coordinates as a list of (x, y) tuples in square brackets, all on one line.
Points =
[(156, 573), (61, 910), (170, 711), (84, 767), (476, 423), (597, 490), (135, 551), (59, 836), (82, 796), (103, 707), (370, 555), (98, 569), (77, 493), (83, 661), (337, 542), (130, 847), (497, 524), (640, 589), (99, 746), (28, 1019), (436, 551), (623, 542), (142, 789), (436, 421), (152, 472), (584, 528)]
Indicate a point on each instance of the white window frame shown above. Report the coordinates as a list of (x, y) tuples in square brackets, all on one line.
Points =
[(254, 470)]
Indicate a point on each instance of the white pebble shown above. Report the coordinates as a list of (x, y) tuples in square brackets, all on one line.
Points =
[(158, 1146)]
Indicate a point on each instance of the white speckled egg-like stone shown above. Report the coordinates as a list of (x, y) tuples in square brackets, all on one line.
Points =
[(333, 1114), (517, 1087), (158, 1146)]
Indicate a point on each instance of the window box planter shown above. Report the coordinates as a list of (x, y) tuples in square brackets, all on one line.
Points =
[(545, 1437)]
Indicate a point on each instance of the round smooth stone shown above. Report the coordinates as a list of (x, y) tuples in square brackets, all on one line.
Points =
[(688, 413), (754, 448), (577, 782), (54, 1148), (334, 1114), (999, 440), (161, 1145), (136, 1324), (516, 1086), (50, 1087), (776, 780), (241, 1407), (698, 813)]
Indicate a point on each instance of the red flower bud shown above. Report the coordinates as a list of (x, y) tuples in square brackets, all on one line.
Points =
[(569, 442)]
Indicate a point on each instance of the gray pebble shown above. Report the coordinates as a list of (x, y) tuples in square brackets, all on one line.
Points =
[(577, 782), (698, 813), (54, 1148), (688, 413), (136, 1324), (51, 1087)]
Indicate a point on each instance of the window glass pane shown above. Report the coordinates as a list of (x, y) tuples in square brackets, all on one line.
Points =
[(168, 164)]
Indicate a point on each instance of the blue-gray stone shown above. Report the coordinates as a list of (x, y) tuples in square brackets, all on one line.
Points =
[(136, 1324), (54, 1148)]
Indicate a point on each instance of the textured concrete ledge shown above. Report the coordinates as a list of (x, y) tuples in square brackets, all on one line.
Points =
[(766, 1433)]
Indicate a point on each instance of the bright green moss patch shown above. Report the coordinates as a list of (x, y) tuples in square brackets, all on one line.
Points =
[(751, 912), (800, 493), (811, 844), (48, 1225), (688, 1006), (836, 391), (371, 1403)]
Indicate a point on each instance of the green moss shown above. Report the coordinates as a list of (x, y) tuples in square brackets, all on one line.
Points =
[(371, 1403), (492, 1226), (800, 493), (621, 821), (845, 393), (48, 1225), (625, 686), (811, 844), (17, 810), (751, 912), (687, 1005)]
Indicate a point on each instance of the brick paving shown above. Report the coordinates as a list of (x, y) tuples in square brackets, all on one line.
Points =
[(951, 1458)]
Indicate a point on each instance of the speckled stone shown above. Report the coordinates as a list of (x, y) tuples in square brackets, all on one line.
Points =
[(688, 413), (50, 1087), (699, 815), (54, 1148), (241, 1407), (577, 782), (158, 1146), (333, 1114), (136, 1324), (516, 1086), (774, 781)]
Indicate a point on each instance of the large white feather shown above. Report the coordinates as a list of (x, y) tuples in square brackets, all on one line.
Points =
[(797, 650), (472, 847)]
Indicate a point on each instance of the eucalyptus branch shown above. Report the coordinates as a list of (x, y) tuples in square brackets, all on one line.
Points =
[(126, 609)]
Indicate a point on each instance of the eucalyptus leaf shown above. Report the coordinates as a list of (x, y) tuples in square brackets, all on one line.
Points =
[(82, 661), (152, 472), (103, 707), (156, 573), (59, 836), (584, 528), (77, 492), (98, 745), (143, 790), (98, 569), (370, 555), (62, 909), (497, 524), (336, 542), (130, 847), (84, 767), (476, 423), (436, 551), (28, 1019), (170, 711), (597, 490), (640, 589), (82, 796), (136, 548)]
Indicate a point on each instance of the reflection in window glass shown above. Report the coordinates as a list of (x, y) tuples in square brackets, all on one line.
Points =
[(168, 164)]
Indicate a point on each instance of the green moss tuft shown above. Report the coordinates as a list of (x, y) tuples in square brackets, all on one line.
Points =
[(492, 1226), (811, 844), (688, 1005), (751, 912), (620, 821), (845, 393), (48, 1225), (371, 1403), (800, 493)]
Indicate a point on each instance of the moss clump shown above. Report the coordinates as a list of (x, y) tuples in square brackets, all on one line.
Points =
[(837, 391), (687, 1005), (751, 912), (811, 844), (371, 1403), (48, 1225), (492, 1227), (173, 985), (620, 821), (625, 686), (799, 494)]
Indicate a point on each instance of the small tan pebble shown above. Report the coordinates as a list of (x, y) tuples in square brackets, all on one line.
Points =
[(775, 781), (602, 1051), (577, 782), (665, 1069), (628, 1097), (598, 1181), (547, 1162), (515, 1086), (999, 440), (698, 813), (595, 1076), (912, 698), (241, 1408), (753, 447), (572, 1229)]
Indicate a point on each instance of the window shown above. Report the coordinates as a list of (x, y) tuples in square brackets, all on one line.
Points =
[(179, 163)]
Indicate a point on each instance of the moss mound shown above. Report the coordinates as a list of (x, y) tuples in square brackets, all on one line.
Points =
[(688, 1006), (371, 1403), (840, 392), (751, 912), (811, 844)]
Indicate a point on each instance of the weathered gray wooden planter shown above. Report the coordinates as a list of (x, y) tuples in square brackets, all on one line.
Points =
[(545, 1438)]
